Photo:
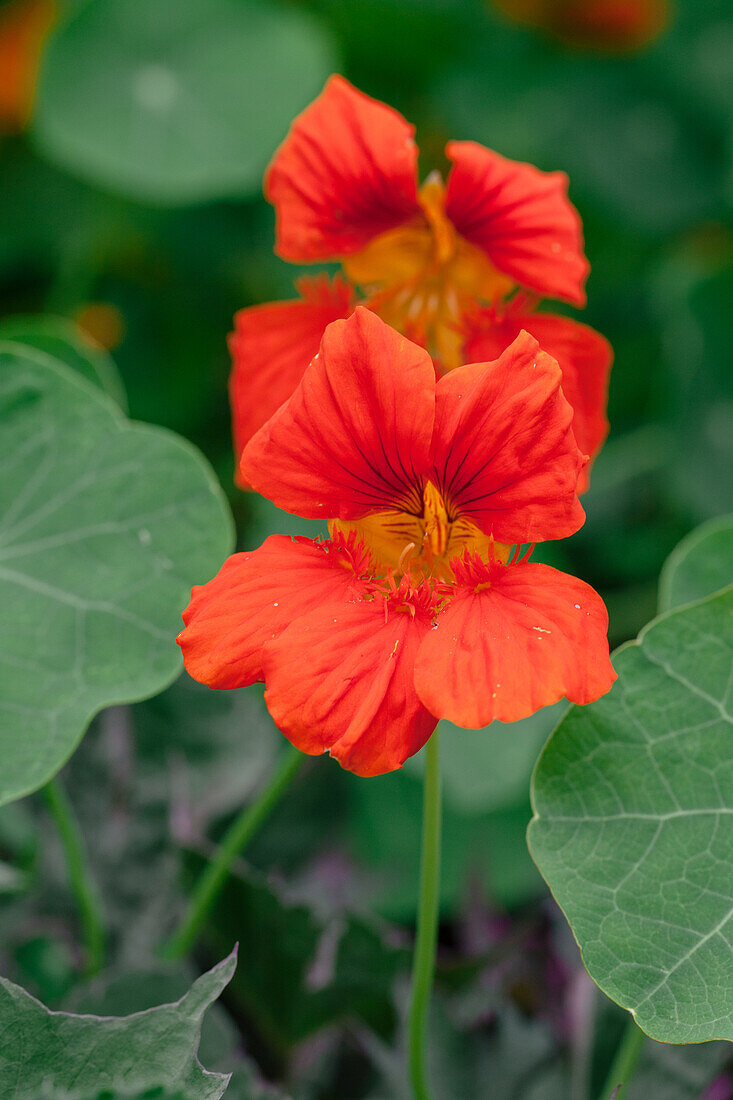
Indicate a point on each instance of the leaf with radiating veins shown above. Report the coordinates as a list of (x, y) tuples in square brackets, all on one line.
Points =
[(633, 826), (105, 525), (63, 340)]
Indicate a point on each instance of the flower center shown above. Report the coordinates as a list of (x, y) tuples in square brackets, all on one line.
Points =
[(421, 544), (421, 277)]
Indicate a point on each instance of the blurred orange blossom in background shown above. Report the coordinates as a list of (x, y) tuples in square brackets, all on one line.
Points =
[(24, 25)]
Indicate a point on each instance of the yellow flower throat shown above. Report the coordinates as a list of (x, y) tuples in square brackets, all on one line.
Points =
[(421, 544), (421, 277)]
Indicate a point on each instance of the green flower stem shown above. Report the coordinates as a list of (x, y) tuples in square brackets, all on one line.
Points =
[(82, 884), (242, 829), (624, 1063), (423, 967)]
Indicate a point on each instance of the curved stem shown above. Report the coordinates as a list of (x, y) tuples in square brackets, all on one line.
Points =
[(624, 1063), (80, 880), (423, 967), (211, 882)]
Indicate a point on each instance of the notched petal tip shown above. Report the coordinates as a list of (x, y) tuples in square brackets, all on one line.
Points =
[(504, 449), (521, 217), (584, 356), (346, 172)]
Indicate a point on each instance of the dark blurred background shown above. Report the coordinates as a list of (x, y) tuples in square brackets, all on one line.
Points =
[(131, 203)]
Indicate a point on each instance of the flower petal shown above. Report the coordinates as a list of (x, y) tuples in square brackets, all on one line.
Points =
[(521, 218), (584, 357), (271, 347), (355, 436), (251, 600), (346, 172), (513, 639), (503, 447), (24, 27), (341, 679)]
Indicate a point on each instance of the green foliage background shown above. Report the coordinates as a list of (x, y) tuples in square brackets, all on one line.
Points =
[(137, 185)]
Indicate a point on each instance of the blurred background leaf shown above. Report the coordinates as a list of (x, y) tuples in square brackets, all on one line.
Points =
[(310, 969), (489, 769), (172, 101), (64, 341), (700, 565)]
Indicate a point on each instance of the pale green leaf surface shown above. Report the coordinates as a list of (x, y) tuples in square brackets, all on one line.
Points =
[(104, 528), (61, 338), (58, 1056), (700, 565), (177, 101), (633, 826)]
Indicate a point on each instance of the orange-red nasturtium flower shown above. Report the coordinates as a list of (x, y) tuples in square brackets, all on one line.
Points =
[(416, 608), (443, 263)]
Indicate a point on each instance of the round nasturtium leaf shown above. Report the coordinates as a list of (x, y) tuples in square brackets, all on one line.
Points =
[(62, 339), (700, 565), (633, 826), (176, 101), (105, 525)]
